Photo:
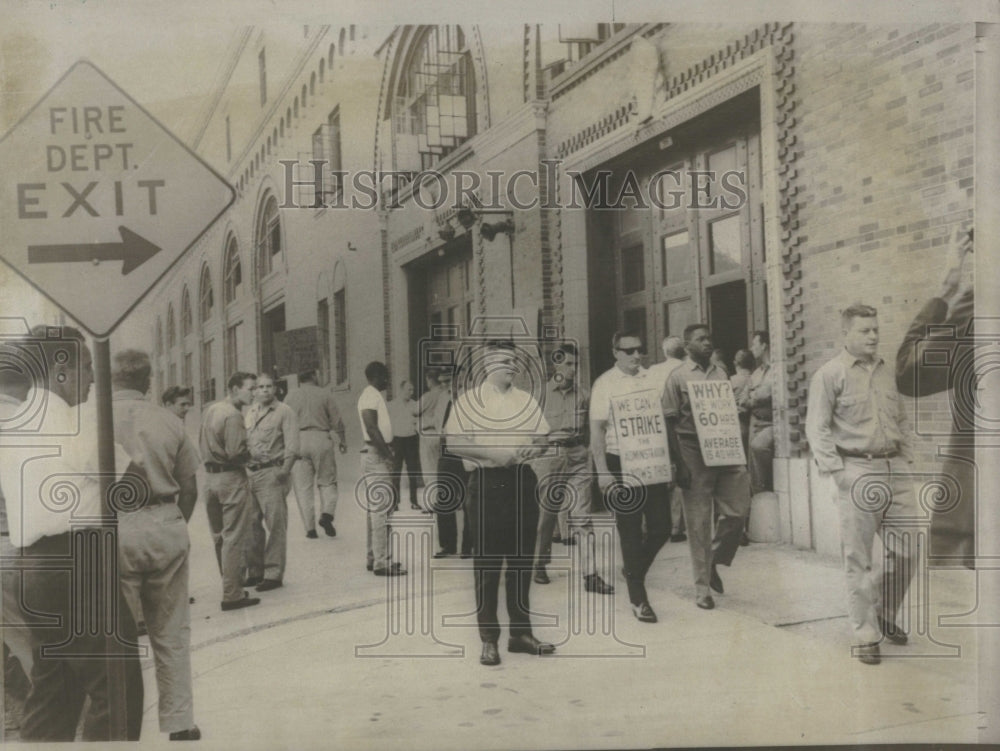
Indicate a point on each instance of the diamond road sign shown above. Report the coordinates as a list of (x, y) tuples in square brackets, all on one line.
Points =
[(98, 200)]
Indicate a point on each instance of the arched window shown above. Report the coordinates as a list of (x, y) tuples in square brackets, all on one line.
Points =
[(233, 275), (329, 57), (343, 36), (159, 336), (304, 100), (171, 326), (206, 300), (434, 110), (268, 237), (187, 324), (295, 105)]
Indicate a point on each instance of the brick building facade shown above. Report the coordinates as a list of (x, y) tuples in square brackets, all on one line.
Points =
[(854, 143)]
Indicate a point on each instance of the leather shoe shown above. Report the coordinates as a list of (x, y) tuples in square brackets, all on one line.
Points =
[(868, 654), (528, 644), (705, 602), (326, 522), (644, 612), (893, 632), (594, 583), (311, 534), (252, 581), (541, 576), (569, 540), (442, 553), (679, 537), (716, 581), (268, 584), (394, 570), (369, 566), (192, 734), (491, 655), (246, 602)]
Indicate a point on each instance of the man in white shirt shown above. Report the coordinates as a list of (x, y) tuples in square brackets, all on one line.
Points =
[(52, 488), (496, 428), (638, 552), (376, 469)]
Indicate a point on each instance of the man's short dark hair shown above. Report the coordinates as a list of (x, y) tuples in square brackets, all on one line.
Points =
[(627, 334), (174, 393), (692, 327), (131, 369), (857, 310), (307, 376), (237, 379), (376, 368), (744, 359), (764, 337)]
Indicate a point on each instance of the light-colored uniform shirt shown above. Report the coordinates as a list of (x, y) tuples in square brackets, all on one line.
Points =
[(677, 401), (223, 436), (272, 432), (315, 409), (403, 416), (428, 409), (372, 398), (50, 478), (155, 440), (609, 385), (854, 406), (486, 416), (761, 387)]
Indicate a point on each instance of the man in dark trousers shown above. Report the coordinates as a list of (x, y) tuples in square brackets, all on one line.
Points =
[(943, 327), (227, 494), (496, 428), (153, 542)]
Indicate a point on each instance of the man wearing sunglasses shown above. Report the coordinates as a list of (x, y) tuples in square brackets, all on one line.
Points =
[(628, 377)]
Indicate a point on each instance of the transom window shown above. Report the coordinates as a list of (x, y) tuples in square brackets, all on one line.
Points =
[(206, 300), (268, 237), (233, 281)]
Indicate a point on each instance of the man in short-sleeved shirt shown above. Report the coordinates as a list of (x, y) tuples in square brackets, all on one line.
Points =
[(376, 469), (757, 401), (223, 444), (319, 420), (153, 542), (273, 443), (709, 492), (495, 428), (859, 432), (638, 550)]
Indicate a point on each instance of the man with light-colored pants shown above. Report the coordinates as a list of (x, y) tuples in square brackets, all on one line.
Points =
[(153, 542), (859, 432), (318, 419)]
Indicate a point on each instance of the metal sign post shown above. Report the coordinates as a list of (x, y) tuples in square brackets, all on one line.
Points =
[(101, 201)]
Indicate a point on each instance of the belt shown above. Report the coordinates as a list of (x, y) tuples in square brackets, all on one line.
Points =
[(868, 455), (254, 467), (216, 467), (322, 430)]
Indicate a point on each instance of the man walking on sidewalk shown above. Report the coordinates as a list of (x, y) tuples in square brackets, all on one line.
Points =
[(496, 428), (223, 444), (153, 542), (273, 443), (639, 551), (565, 478), (318, 420), (859, 433), (709, 492), (376, 469)]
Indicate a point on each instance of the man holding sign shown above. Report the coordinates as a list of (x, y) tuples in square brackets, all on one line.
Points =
[(704, 428), (629, 444)]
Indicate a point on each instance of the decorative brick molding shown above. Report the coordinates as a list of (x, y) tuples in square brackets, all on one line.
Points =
[(607, 124)]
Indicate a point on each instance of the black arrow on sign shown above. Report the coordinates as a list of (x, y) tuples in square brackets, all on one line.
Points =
[(134, 250)]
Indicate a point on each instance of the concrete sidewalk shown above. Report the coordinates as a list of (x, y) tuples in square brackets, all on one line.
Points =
[(770, 665)]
